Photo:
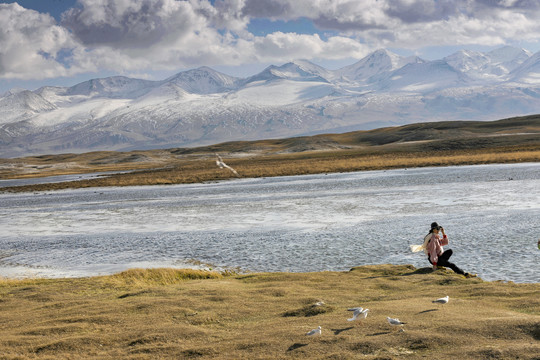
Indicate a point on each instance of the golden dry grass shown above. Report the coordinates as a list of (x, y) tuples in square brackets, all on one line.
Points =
[(181, 171), (186, 314), (415, 145)]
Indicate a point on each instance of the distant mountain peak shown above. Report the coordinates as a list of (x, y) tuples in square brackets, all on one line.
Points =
[(509, 51), (303, 62), (204, 106), (203, 80), (396, 60), (113, 86), (297, 70), (13, 91), (20, 105), (377, 63), (529, 71), (206, 68), (492, 65)]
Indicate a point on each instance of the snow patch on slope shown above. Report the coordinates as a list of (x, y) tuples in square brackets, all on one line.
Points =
[(203, 106)]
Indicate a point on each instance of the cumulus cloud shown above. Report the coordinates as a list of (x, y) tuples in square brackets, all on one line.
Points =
[(336, 15), (32, 46), (509, 4), (227, 14), (278, 46), (269, 9), (134, 34), (495, 26), (398, 23), (131, 23), (158, 34), (422, 10), (143, 35)]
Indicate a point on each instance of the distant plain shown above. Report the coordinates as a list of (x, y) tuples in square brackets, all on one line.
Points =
[(416, 145)]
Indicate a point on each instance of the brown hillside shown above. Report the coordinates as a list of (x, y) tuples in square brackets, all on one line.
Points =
[(415, 145)]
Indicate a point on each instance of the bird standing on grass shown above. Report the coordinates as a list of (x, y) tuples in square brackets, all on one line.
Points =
[(443, 300), (316, 331), (394, 322), (221, 164)]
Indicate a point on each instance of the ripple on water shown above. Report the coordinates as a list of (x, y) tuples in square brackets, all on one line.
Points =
[(302, 223)]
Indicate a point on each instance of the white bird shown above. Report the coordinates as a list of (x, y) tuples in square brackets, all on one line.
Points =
[(443, 300), (394, 322), (221, 164), (358, 313), (316, 331)]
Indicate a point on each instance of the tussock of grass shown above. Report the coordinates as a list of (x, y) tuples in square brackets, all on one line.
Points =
[(160, 276), (19, 282), (310, 310), (387, 270)]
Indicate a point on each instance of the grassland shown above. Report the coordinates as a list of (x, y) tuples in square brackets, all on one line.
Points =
[(191, 314), (428, 144)]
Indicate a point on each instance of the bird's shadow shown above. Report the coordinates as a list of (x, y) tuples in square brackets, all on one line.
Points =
[(379, 333), (296, 346), (426, 311), (339, 331)]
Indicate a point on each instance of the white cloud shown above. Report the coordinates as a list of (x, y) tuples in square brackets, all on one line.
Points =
[(31, 44), (412, 23), (131, 35), (498, 28), (279, 46), (227, 14), (330, 14), (155, 34), (128, 36), (132, 23)]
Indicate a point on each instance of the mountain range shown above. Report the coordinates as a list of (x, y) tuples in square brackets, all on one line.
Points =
[(203, 106)]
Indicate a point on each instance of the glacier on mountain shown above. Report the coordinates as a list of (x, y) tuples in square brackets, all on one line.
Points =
[(203, 106)]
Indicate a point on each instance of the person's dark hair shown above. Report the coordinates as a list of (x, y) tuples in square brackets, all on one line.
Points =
[(434, 226)]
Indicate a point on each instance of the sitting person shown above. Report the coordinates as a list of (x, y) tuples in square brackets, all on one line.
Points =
[(436, 255)]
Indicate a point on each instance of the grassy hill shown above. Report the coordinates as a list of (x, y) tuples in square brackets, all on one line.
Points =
[(191, 314), (423, 144)]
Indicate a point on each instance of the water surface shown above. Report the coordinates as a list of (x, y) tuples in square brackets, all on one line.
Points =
[(297, 223)]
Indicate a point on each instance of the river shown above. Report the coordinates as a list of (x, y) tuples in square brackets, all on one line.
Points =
[(296, 223)]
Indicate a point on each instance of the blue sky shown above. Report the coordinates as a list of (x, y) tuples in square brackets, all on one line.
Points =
[(63, 42)]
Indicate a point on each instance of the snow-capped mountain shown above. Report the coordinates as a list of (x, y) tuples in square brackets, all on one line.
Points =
[(111, 87), (467, 61), (529, 71), (299, 70), (422, 77), (203, 106), (203, 80), (493, 65), (508, 57), (21, 105), (378, 63)]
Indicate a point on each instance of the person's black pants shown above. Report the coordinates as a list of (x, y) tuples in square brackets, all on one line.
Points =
[(443, 261)]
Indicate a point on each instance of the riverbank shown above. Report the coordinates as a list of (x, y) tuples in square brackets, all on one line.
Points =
[(165, 313), (204, 169)]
